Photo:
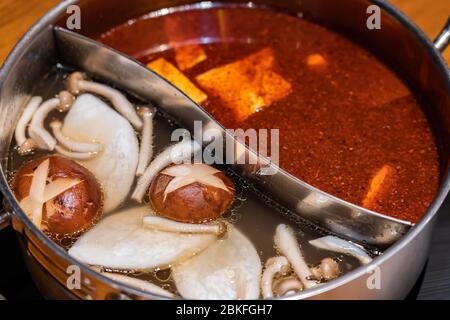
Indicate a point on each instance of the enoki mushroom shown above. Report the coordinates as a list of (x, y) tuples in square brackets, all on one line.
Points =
[(162, 224), (77, 84)]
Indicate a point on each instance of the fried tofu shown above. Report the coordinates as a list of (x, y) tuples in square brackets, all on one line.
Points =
[(316, 60), (189, 56), (167, 70), (247, 85), (380, 184)]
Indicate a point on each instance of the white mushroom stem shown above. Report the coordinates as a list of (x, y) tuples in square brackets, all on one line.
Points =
[(162, 224), (26, 145), (76, 84), (287, 244), (139, 284), (274, 266), (74, 155), (70, 144), (287, 286), (146, 147), (36, 129), (335, 244), (177, 153)]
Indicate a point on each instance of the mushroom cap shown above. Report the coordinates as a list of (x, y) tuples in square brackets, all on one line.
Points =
[(74, 210), (121, 241), (180, 194), (329, 269), (66, 100), (72, 82), (92, 120), (228, 269)]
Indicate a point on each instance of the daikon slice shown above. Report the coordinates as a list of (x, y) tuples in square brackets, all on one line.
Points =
[(228, 269), (92, 120), (120, 241)]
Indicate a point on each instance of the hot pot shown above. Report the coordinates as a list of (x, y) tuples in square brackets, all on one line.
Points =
[(399, 43)]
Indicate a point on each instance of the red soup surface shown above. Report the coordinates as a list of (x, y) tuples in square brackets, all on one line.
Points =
[(348, 125)]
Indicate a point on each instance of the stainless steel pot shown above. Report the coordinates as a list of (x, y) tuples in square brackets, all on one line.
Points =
[(399, 42)]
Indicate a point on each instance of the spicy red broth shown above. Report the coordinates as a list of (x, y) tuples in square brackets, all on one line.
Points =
[(348, 125)]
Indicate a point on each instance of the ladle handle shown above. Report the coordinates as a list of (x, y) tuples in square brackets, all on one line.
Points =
[(5, 219), (443, 39)]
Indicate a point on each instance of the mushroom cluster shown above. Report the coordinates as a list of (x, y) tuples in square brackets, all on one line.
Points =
[(277, 279)]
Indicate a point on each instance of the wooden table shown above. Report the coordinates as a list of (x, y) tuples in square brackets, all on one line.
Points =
[(16, 16)]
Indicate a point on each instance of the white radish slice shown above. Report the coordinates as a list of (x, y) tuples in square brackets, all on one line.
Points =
[(92, 120), (120, 241), (229, 269), (139, 284), (336, 244)]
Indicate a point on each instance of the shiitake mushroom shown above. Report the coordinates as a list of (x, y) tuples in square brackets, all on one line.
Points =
[(193, 193), (70, 212)]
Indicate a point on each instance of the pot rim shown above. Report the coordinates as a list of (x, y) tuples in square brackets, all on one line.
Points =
[(17, 212)]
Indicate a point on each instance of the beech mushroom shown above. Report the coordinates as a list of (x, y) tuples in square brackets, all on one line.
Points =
[(139, 284), (25, 145), (230, 268), (76, 84), (274, 266), (75, 146), (41, 137), (61, 197), (287, 244), (192, 193), (91, 119), (146, 146), (162, 224), (36, 130), (120, 241), (179, 152), (327, 270), (74, 155), (332, 243), (287, 286)]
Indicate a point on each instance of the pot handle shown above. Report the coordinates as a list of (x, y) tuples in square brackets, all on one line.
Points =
[(5, 219), (443, 39)]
